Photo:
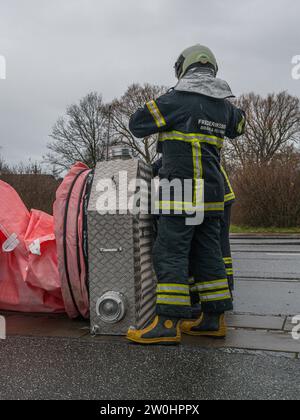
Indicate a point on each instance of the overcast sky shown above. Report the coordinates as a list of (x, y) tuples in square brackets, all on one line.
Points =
[(59, 50)]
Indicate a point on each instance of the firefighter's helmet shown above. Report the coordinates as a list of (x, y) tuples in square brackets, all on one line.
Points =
[(198, 54)]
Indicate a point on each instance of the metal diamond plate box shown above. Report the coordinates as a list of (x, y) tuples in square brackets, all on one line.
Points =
[(121, 277)]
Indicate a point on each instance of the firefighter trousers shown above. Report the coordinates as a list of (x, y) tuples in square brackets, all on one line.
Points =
[(180, 248)]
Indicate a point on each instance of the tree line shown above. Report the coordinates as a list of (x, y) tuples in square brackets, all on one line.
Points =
[(273, 129), (82, 134), (263, 164), (22, 168)]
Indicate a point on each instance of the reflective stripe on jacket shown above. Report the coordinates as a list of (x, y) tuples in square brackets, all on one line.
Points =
[(229, 197), (191, 128)]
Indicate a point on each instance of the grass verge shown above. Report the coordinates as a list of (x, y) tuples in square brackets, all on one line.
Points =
[(248, 229)]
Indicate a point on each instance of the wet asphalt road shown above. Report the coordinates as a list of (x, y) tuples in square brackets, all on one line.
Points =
[(268, 275), (70, 369), (267, 258), (54, 368)]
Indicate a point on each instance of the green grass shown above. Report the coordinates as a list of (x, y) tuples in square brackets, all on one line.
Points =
[(248, 229)]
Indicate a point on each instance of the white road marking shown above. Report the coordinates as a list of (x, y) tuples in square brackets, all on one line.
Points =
[(282, 255)]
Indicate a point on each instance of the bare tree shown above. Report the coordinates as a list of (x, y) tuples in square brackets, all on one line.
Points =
[(4, 168), (27, 168), (135, 97), (80, 135), (21, 168), (273, 125)]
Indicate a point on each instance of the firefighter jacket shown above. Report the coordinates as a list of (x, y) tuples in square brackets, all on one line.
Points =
[(191, 128)]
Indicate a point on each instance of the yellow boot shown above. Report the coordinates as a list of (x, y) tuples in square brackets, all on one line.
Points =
[(208, 325), (161, 330)]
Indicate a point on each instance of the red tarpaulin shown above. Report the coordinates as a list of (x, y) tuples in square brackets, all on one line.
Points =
[(43, 259), (29, 280)]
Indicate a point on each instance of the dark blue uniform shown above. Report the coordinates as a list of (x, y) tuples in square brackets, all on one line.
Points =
[(192, 129)]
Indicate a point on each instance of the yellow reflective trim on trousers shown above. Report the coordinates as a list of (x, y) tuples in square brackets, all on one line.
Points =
[(191, 137), (231, 195), (228, 260), (174, 297), (174, 300), (205, 289), (156, 114), (173, 285), (217, 299), (216, 282), (219, 292), (168, 288), (167, 302)]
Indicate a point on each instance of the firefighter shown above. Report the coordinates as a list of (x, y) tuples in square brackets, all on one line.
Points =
[(192, 121)]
